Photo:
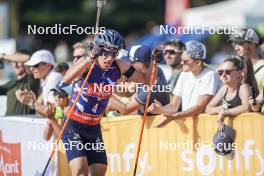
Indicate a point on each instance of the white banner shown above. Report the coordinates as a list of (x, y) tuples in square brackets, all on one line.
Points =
[(23, 150)]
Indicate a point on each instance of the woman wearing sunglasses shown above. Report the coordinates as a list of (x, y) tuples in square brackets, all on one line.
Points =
[(232, 98)]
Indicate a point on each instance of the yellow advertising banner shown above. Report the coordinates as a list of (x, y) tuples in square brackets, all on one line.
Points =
[(183, 147)]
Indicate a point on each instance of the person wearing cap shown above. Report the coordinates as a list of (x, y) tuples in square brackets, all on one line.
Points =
[(140, 56), (196, 86), (41, 65), (59, 111), (172, 55), (23, 80), (246, 44)]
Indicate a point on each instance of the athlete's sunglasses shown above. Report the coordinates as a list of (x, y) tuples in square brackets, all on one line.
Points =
[(109, 51)]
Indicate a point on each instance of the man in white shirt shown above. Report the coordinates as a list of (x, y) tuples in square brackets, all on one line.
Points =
[(195, 87), (41, 65)]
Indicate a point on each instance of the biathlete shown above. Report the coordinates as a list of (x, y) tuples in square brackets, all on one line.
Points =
[(82, 136)]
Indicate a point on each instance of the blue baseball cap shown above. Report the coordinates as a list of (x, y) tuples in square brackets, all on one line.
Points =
[(65, 90), (197, 51), (140, 53)]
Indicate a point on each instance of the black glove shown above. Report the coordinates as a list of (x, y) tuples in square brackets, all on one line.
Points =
[(96, 50), (157, 55)]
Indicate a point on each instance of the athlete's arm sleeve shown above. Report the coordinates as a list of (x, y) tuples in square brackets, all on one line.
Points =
[(129, 72)]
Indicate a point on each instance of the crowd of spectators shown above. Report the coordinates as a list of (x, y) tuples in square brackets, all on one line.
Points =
[(228, 88)]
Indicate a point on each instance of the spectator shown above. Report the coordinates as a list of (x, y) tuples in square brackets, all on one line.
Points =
[(141, 58), (172, 56), (246, 44), (79, 50), (59, 111), (232, 98), (196, 86), (23, 80), (41, 64)]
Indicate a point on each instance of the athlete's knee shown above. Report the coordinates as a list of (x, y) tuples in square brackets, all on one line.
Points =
[(98, 170), (80, 171), (79, 167)]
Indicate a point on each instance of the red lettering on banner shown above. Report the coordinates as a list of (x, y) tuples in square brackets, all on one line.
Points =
[(10, 158)]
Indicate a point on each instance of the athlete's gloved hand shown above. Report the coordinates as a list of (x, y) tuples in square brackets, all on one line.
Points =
[(157, 55), (95, 51)]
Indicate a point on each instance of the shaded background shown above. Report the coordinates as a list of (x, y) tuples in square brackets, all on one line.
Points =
[(136, 20), (132, 18)]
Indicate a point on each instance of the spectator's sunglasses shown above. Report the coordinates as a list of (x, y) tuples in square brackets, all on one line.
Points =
[(78, 57), (172, 52), (227, 72), (39, 64), (185, 62)]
